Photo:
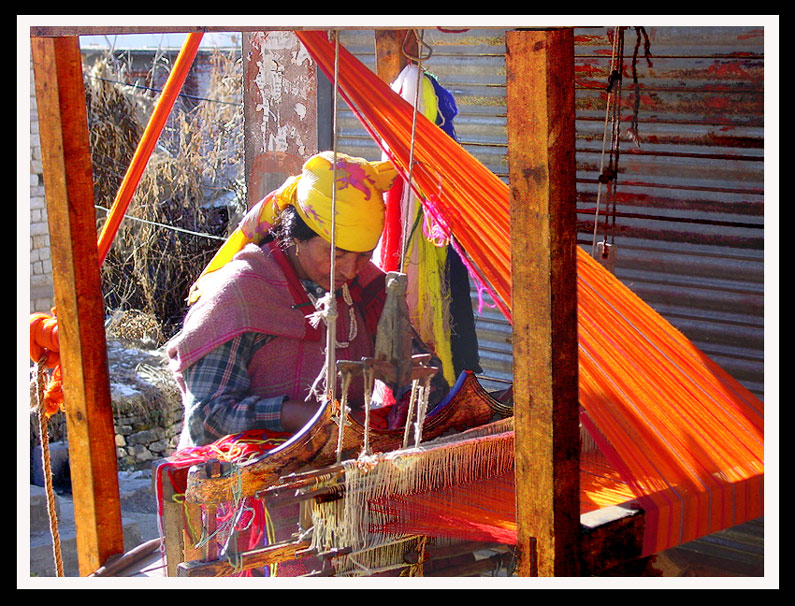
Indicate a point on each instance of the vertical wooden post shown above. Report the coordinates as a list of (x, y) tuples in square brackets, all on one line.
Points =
[(389, 56), (69, 193), (540, 79), (280, 110)]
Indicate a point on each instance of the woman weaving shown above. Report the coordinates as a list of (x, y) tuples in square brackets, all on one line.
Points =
[(249, 353)]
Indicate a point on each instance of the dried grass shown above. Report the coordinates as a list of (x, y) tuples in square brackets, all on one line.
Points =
[(193, 181)]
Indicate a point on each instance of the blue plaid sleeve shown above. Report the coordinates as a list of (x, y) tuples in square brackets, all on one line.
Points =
[(218, 402)]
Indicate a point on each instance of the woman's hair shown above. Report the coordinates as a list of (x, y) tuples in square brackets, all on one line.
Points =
[(290, 226)]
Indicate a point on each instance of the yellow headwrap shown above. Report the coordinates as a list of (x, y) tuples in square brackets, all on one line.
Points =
[(360, 207)]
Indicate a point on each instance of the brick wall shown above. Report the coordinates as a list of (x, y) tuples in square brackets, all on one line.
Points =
[(41, 291)]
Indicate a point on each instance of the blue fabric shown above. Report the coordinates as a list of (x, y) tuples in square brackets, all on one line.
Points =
[(447, 108)]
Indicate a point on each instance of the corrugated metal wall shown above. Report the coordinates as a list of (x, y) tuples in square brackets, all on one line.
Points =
[(689, 208)]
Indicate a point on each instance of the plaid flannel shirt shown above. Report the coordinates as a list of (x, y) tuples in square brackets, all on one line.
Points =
[(218, 401)]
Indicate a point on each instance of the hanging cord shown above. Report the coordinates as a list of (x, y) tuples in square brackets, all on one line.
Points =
[(612, 171), (44, 438), (609, 176), (369, 379), (612, 120), (422, 409), (418, 59), (412, 403), (640, 32), (327, 305), (419, 394), (330, 302), (343, 413)]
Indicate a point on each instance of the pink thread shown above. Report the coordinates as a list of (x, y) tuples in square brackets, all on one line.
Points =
[(436, 226)]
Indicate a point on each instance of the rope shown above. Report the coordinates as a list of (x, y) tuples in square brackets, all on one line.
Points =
[(165, 226), (44, 345), (331, 304), (612, 118), (613, 115), (418, 59), (44, 437), (639, 32)]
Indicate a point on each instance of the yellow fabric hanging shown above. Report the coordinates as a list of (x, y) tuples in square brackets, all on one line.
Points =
[(425, 260)]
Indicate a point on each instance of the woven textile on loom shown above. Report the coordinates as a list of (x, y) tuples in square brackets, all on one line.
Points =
[(686, 439)]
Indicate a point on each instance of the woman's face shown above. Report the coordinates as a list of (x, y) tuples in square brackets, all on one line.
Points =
[(311, 261)]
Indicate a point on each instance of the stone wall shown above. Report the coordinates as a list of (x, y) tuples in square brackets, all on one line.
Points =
[(146, 408), (147, 411)]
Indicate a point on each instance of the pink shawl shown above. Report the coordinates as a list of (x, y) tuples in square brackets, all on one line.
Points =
[(258, 291)]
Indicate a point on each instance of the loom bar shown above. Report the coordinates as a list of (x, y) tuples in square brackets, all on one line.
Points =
[(540, 98), (69, 194), (272, 554)]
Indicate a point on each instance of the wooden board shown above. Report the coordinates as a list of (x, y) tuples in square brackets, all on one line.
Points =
[(540, 96), (69, 194)]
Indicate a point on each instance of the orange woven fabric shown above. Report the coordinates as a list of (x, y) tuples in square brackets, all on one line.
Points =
[(459, 189), (485, 510), (685, 436)]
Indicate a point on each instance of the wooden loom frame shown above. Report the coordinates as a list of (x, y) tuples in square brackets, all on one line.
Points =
[(553, 538)]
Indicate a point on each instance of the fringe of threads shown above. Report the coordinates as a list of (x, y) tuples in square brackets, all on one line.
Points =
[(436, 465)]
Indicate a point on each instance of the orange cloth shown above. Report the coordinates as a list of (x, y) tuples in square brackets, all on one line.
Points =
[(685, 436)]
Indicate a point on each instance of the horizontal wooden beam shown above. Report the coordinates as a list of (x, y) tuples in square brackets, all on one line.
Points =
[(54, 31), (259, 558), (610, 537)]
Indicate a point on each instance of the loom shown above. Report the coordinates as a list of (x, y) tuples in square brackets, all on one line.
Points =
[(367, 513), (680, 443)]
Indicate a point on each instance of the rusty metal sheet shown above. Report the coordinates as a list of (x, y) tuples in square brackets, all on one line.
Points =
[(690, 199)]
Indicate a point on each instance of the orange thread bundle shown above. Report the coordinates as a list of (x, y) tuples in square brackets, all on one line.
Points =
[(44, 350)]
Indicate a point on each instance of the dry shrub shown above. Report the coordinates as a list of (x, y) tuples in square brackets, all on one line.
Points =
[(193, 181)]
